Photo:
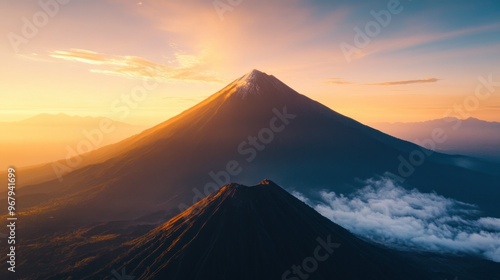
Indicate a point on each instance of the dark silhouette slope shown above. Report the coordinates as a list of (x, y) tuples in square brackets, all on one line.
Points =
[(260, 232), (251, 233)]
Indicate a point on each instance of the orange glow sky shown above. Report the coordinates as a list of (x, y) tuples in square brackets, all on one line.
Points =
[(89, 54)]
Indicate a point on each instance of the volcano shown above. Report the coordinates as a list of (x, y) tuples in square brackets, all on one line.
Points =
[(260, 232), (255, 127)]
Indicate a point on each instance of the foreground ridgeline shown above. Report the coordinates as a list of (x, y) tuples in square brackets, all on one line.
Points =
[(247, 233)]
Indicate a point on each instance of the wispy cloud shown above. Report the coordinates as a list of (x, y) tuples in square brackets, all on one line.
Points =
[(405, 82), (389, 214), (188, 66), (339, 81), (84, 56)]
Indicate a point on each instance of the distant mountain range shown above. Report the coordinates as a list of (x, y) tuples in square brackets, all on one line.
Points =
[(256, 127), (472, 137), (47, 137)]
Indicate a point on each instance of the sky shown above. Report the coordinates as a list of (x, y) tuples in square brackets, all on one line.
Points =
[(142, 62)]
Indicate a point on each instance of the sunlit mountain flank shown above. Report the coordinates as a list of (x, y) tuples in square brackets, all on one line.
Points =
[(242, 140), (254, 127)]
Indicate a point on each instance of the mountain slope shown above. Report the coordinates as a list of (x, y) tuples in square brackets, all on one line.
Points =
[(253, 233), (239, 232), (254, 127)]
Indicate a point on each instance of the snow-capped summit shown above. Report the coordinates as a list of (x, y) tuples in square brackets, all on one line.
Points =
[(253, 75), (255, 82)]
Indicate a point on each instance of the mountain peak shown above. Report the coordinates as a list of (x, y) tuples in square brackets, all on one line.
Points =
[(251, 83), (254, 75), (246, 233), (267, 182), (254, 83), (233, 190)]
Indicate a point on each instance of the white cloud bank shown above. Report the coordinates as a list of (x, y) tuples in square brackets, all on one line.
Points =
[(386, 213)]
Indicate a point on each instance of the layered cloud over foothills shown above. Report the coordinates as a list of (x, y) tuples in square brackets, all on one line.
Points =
[(387, 213)]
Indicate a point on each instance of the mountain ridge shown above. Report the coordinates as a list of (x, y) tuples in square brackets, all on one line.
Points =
[(470, 137), (211, 241), (341, 148), (120, 191)]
